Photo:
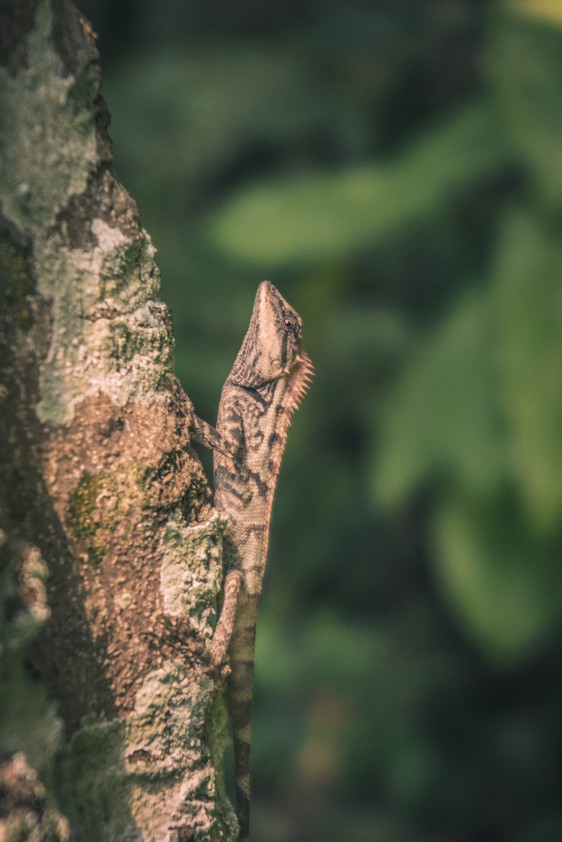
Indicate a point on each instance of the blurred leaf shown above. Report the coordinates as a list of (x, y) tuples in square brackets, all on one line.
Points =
[(546, 11), (502, 582), (528, 61), (193, 122), (323, 216), (528, 280), (442, 417)]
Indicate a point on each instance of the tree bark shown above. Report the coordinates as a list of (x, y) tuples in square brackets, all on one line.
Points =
[(111, 551)]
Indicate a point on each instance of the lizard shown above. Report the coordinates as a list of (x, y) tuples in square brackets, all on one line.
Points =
[(267, 382)]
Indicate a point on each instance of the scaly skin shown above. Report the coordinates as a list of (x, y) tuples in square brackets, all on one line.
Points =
[(266, 384)]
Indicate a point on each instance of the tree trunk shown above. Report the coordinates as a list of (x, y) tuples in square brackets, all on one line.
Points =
[(111, 551)]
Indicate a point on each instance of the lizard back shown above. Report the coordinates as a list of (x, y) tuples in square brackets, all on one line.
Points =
[(268, 380)]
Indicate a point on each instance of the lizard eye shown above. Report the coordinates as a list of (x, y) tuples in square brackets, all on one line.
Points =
[(289, 324)]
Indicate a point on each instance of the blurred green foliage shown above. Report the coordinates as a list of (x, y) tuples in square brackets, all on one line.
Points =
[(395, 168), (326, 216)]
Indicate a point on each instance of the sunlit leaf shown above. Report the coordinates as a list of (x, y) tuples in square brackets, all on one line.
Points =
[(326, 215), (528, 280), (544, 11), (501, 581), (528, 69)]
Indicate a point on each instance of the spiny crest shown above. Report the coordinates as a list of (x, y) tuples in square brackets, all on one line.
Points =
[(297, 387), (299, 381)]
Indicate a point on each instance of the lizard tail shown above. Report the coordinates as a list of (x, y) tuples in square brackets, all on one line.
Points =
[(242, 647), (242, 772)]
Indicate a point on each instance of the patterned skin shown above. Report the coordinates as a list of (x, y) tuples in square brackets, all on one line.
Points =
[(267, 382)]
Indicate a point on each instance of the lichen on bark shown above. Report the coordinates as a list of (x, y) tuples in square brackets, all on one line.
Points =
[(97, 473)]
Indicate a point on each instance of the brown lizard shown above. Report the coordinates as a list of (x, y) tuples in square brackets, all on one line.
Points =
[(264, 388)]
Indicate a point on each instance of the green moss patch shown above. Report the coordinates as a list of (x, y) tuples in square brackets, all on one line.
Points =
[(103, 502), (16, 283)]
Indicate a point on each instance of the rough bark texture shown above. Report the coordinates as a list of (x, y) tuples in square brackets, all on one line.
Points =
[(111, 552)]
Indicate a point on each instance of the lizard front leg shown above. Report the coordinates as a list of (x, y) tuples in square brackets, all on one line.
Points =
[(208, 436), (227, 617)]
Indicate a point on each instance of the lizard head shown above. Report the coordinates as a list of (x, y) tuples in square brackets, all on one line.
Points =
[(272, 346)]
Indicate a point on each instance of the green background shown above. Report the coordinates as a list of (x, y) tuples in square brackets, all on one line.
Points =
[(395, 168)]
